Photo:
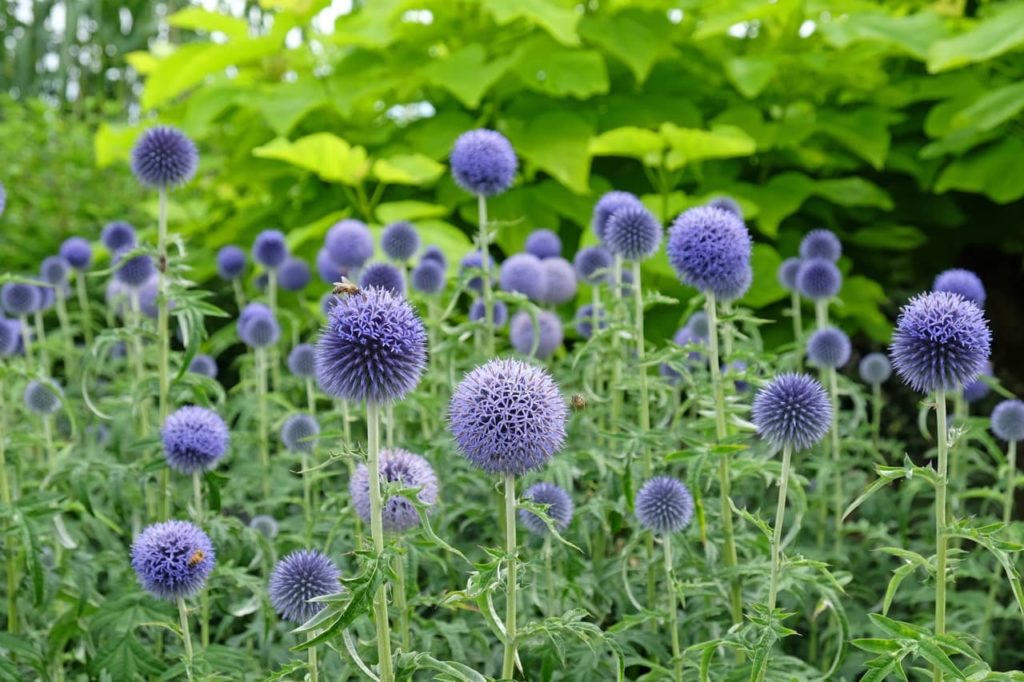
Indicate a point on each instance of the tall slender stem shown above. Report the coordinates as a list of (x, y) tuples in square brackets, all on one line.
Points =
[(197, 496), (83, 304), (401, 602), (821, 313), (186, 638), (10, 548), (798, 326), (645, 424), (837, 477), (314, 672), (876, 413), (204, 598), (65, 329), (1011, 480), (940, 522), (508, 663), (673, 616), (44, 357), (311, 396), (553, 607), (485, 265), (162, 318), (307, 495), (261, 382), (26, 338), (616, 358), (389, 421), (380, 603), (236, 285), (275, 365), (780, 517)]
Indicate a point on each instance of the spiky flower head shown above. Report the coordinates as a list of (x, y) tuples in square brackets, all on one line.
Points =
[(77, 252), (400, 241), (300, 432), (483, 162), (349, 243), (875, 368), (428, 277), (710, 249), (560, 508), (559, 281), (963, 282), (41, 397), (1008, 420), (544, 243), (383, 276), (19, 298), (941, 341), (10, 335), (203, 364), (593, 264), (978, 388), (633, 233), (405, 468), (607, 206), (829, 347), (135, 271), (524, 273), (727, 204), (499, 312), (195, 438), (230, 262), (473, 260), (118, 236), (792, 410), (508, 417), (164, 157), (172, 559), (373, 348), (257, 326), (818, 279), (329, 271), (434, 253), (264, 525), (300, 576), (294, 274), (549, 334), (54, 270), (664, 505), (788, 271), (270, 249), (302, 360), (821, 244), (585, 320), (697, 323)]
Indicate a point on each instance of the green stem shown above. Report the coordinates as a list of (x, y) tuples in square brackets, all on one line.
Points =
[(186, 638), (162, 318), (389, 421), (780, 516), (307, 495), (83, 304), (957, 478), (798, 326), (275, 365), (1011, 479), (940, 522), (645, 425), (401, 602), (197, 496), (44, 357), (508, 663), (310, 396), (204, 598), (236, 285), (549, 575), (821, 313), (65, 329), (616, 357), (10, 550), (673, 616), (380, 603), (485, 265), (261, 382), (314, 673), (876, 413), (26, 338), (837, 476)]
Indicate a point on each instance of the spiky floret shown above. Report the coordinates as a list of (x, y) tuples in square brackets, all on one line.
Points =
[(710, 250), (664, 505), (195, 439), (398, 513), (792, 410), (172, 559), (559, 508), (299, 577)]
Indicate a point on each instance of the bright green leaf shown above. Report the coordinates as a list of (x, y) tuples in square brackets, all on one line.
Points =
[(553, 70), (863, 131), (636, 38), (988, 38), (395, 211), (750, 75), (994, 170), (912, 34), (889, 237), (557, 142), (554, 17), (327, 155), (992, 109), (634, 142), (765, 262), (853, 191), (467, 74), (114, 143), (690, 144), (199, 19), (408, 169)]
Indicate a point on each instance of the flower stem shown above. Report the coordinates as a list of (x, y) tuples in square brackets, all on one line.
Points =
[(821, 313), (261, 383), (508, 663), (307, 495), (1011, 479), (485, 265), (876, 413), (197, 495), (83, 304), (380, 604), (673, 616), (186, 638), (311, 396), (44, 357), (204, 598), (26, 338), (10, 548), (401, 603), (645, 425), (780, 516), (314, 673), (275, 365), (798, 326), (837, 477), (162, 323), (552, 607), (616, 358), (940, 521), (65, 329)]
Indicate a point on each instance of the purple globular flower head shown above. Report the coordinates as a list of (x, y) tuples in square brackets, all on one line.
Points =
[(19, 298), (257, 326), (302, 360), (559, 281), (230, 262), (697, 323), (472, 260), (609, 204), (829, 347), (428, 277), (204, 365), (788, 271), (329, 271), (818, 279), (47, 297), (383, 276), (349, 243), (164, 157), (664, 505), (524, 273), (10, 335), (294, 274), (483, 162), (300, 576), (42, 398), (710, 250), (499, 312), (172, 559), (727, 204), (685, 336), (400, 241), (399, 514), (435, 254), (941, 341), (118, 236), (1008, 420), (978, 388), (54, 270), (135, 271), (821, 244), (195, 438), (559, 508), (875, 368), (508, 417), (327, 303), (593, 264), (792, 410), (543, 244), (373, 348), (633, 233), (270, 249), (521, 334), (963, 282), (264, 525), (300, 432), (585, 320), (77, 252), (148, 294)]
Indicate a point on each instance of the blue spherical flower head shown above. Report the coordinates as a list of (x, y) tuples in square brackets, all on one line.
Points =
[(230, 262), (727, 204), (373, 348), (54, 270), (41, 397), (559, 281), (609, 204), (524, 273), (270, 249), (697, 323), (875, 368), (499, 312), (821, 244), (329, 271), (828, 347), (195, 439), (300, 576), (818, 279), (428, 277), (544, 244), (294, 274), (383, 276), (664, 505), (10, 336), (118, 236), (257, 326), (264, 525), (521, 334), (203, 364), (300, 433), (349, 243), (405, 468), (435, 254), (47, 297), (585, 320), (400, 241), (1008, 420), (710, 250), (508, 417), (788, 272), (483, 162), (172, 559), (19, 298), (941, 341), (302, 360), (473, 260), (963, 282), (164, 157), (77, 252), (135, 271), (793, 410), (593, 264), (977, 388), (633, 233), (559, 508)]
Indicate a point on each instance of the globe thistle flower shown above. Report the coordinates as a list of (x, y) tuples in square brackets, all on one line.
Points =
[(400, 241), (483, 162), (264, 525), (257, 326), (373, 348), (164, 157), (633, 233), (428, 277), (77, 252), (230, 262), (963, 282), (664, 505), (875, 368), (19, 298), (47, 297), (560, 508), (508, 417), (710, 249), (818, 279), (544, 244), (54, 270), (1008, 420), (521, 333), (302, 360), (821, 244), (118, 236), (204, 365), (327, 303), (270, 249), (473, 259), (941, 341), (686, 336), (559, 281), (585, 320), (523, 273), (396, 466), (727, 204), (978, 388), (499, 312), (828, 347), (697, 323), (793, 410), (41, 397), (135, 271), (294, 274), (148, 294), (10, 336), (329, 271), (607, 206), (788, 271), (349, 243), (383, 276), (299, 433), (435, 254), (300, 576), (172, 559), (593, 264), (195, 439)]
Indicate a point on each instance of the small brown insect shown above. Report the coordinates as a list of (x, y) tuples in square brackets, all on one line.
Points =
[(578, 402), (196, 558), (345, 287)]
